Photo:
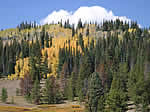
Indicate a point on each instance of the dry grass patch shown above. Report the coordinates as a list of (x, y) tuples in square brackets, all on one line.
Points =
[(42, 108)]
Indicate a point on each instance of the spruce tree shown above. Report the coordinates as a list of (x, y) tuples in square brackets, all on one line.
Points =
[(72, 86), (47, 40), (95, 91), (51, 41), (49, 90), (138, 89), (33, 68), (42, 37), (44, 70), (52, 93), (117, 98), (36, 92), (87, 31), (81, 41), (79, 24), (101, 103), (84, 73), (73, 30), (70, 91), (4, 95), (80, 89)]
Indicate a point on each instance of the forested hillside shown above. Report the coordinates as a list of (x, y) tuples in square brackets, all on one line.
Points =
[(107, 67)]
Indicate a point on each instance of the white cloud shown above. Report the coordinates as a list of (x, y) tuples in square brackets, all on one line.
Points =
[(86, 14)]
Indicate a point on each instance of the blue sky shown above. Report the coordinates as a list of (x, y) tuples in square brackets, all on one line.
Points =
[(13, 12)]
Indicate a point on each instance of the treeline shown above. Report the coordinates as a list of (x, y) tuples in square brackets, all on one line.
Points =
[(119, 25), (26, 25)]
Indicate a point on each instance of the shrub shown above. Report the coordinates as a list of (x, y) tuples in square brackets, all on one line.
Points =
[(28, 98)]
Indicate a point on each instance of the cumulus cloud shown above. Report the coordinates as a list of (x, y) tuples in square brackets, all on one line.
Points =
[(86, 14)]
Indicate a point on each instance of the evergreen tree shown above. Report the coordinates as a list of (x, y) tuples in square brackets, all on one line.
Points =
[(68, 24), (70, 91), (117, 98), (95, 91), (73, 30), (47, 40), (80, 89), (51, 91), (79, 24), (50, 41), (84, 73), (33, 68), (72, 86), (85, 67), (64, 78), (138, 90), (87, 31), (81, 41), (35, 60), (36, 92), (101, 103), (42, 37), (44, 70), (4, 95)]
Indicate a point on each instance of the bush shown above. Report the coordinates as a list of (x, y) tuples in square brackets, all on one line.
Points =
[(28, 98), (4, 95)]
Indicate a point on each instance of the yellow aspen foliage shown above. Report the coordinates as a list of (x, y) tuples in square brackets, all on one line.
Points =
[(130, 30), (61, 37), (53, 56), (20, 68), (25, 67)]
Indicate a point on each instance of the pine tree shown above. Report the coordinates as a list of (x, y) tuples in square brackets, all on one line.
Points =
[(47, 40), (85, 67), (35, 59), (44, 70), (36, 92), (33, 68), (42, 37), (138, 89), (81, 41), (50, 41), (72, 86), (117, 98), (95, 91), (63, 78), (87, 31), (52, 92), (70, 91), (79, 24), (73, 30), (4, 95), (84, 73), (49, 90), (101, 103)]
